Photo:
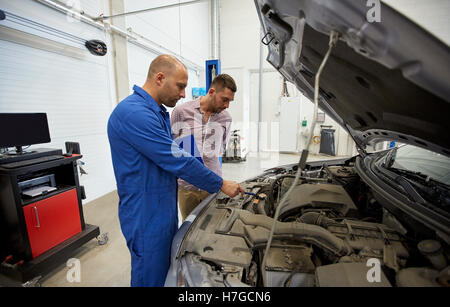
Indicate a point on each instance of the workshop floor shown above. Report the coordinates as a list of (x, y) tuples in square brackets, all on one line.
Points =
[(109, 265)]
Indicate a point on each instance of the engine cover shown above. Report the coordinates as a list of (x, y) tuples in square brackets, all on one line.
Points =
[(330, 196)]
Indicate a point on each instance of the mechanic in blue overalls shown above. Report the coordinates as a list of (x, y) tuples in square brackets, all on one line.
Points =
[(147, 163)]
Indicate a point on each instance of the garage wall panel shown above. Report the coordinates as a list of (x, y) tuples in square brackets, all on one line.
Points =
[(74, 91), (139, 60), (89, 7), (77, 89), (75, 96), (183, 30)]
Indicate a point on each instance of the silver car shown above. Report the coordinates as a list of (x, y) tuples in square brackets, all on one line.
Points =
[(376, 219)]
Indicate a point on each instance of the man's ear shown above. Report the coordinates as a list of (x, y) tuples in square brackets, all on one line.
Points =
[(160, 78), (211, 91)]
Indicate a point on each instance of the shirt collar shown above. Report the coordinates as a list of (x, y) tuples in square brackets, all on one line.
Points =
[(197, 103), (149, 99), (197, 106)]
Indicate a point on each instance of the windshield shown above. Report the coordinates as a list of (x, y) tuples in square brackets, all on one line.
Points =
[(416, 159)]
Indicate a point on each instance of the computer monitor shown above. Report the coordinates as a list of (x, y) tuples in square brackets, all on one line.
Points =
[(21, 129)]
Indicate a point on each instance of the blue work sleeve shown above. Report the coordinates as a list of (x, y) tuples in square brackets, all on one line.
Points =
[(147, 135)]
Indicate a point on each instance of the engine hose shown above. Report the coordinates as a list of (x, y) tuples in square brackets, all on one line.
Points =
[(313, 234), (315, 218), (333, 41)]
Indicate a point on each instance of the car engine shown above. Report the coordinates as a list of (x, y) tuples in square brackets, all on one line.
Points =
[(331, 231)]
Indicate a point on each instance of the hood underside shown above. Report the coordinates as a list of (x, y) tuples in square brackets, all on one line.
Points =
[(385, 80)]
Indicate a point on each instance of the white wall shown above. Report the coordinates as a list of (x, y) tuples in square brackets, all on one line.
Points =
[(184, 30), (56, 75), (344, 144), (240, 43), (139, 60), (240, 34), (239, 50), (89, 7), (240, 107), (272, 83), (240, 30), (72, 86)]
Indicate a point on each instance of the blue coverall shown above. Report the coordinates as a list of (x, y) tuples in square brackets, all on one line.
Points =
[(146, 164)]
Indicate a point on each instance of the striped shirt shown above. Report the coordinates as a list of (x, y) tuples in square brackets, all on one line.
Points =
[(211, 137)]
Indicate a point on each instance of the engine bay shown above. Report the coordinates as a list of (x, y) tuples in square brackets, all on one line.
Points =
[(331, 231)]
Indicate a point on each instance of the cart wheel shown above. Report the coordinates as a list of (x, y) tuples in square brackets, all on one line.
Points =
[(102, 239), (32, 283)]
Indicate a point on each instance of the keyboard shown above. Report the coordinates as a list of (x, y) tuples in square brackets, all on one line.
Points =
[(31, 161)]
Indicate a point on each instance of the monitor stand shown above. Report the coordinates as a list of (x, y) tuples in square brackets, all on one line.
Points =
[(37, 153), (19, 151)]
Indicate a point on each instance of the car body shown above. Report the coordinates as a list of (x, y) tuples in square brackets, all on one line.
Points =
[(388, 210)]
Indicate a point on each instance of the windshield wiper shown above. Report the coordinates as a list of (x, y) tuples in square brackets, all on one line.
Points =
[(436, 192), (390, 158), (399, 179), (409, 189), (426, 180)]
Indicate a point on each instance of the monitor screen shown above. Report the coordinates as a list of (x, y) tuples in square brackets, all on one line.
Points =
[(20, 129)]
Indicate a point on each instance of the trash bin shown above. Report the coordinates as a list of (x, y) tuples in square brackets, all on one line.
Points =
[(327, 141)]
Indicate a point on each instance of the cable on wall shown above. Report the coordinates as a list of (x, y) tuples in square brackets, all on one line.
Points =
[(95, 47)]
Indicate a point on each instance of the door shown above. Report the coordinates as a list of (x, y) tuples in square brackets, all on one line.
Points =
[(289, 123), (52, 220)]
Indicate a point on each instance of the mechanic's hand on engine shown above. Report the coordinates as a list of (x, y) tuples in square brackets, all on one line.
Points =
[(231, 188)]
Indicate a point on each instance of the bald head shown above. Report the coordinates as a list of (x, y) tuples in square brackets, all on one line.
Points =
[(166, 64), (166, 80)]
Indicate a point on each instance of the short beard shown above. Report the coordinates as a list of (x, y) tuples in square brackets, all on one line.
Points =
[(169, 103)]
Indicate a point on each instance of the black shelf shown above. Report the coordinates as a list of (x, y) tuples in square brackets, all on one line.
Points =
[(30, 253), (59, 189)]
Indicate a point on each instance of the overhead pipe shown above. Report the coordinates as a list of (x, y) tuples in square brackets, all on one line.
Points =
[(149, 9), (131, 36), (76, 15)]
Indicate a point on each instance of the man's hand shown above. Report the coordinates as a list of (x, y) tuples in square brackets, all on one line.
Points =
[(231, 188)]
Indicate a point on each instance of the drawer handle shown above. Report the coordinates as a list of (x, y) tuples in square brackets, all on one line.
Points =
[(37, 217)]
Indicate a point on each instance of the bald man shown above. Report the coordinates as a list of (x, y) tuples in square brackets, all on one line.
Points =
[(147, 163)]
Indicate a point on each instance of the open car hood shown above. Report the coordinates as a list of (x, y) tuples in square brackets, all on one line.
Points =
[(384, 80)]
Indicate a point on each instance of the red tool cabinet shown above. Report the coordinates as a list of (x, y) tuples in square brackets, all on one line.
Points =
[(52, 220), (39, 233)]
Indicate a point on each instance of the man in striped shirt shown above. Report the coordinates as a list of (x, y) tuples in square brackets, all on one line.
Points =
[(207, 120)]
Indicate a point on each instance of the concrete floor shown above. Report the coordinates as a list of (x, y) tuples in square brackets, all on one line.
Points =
[(109, 265)]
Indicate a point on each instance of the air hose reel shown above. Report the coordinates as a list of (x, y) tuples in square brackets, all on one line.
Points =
[(96, 47)]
